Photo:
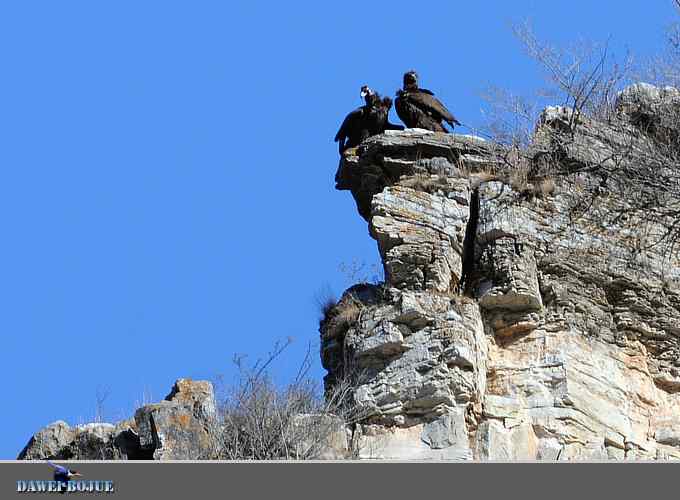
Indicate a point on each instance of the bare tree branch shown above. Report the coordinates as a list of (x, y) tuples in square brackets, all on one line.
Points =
[(634, 165)]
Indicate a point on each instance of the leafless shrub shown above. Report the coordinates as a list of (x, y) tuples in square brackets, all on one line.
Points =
[(146, 398), (519, 177), (664, 69), (584, 76), (634, 180), (477, 178), (344, 315), (259, 420), (510, 119), (101, 396), (356, 272), (526, 181)]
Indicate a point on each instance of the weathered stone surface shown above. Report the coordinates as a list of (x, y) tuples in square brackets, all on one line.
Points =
[(178, 428), (51, 441), (333, 442), (578, 393), (436, 367), (506, 441), (653, 110), (198, 395), (445, 438), (382, 160), (506, 284), (568, 346), (172, 432), (510, 326), (95, 441), (420, 236)]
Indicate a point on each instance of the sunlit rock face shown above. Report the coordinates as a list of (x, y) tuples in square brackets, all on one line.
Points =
[(178, 428), (507, 328), (515, 322)]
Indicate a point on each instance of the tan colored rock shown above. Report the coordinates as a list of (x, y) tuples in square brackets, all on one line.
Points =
[(420, 236), (180, 428), (445, 438), (331, 437), (568, 349)]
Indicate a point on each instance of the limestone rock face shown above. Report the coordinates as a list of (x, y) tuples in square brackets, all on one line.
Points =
[(51, 441), (95, 441), (508, 328), (197, 395), (336, 442), (651, 109), (420, 235), (177, 428), (381, 160), (514, 322), (180, 427)]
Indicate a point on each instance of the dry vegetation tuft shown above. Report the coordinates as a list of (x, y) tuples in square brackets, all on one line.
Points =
[(261, 420), (426, 183), (342, 316)]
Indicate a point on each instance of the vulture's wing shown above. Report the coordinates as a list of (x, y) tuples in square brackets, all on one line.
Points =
[(351, 121), (430, 104)]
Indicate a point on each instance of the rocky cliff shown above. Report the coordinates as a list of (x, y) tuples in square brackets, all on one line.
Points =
[(181, 427), (514, 323), (524, 315)]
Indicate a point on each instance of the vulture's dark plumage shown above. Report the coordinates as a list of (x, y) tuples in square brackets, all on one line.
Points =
[(419, 108), (370, 119)]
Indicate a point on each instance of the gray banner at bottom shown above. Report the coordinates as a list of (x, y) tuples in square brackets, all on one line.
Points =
[(341, 480)]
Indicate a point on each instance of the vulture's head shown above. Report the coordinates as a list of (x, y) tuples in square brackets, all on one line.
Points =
[(366, 93), (410, 79)]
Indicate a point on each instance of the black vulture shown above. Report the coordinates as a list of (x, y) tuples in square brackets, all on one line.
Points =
[(419, 108), (365, 121), (378, 115)]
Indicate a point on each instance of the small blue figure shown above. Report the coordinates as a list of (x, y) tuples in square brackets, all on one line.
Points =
[(63, 474)]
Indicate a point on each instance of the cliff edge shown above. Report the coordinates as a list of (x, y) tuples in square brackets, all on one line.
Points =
[(518, 319)]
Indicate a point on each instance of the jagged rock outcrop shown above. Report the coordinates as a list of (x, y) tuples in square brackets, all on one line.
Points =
[(515, 322), (508, 327), (184, 426), (94, 441), (651, 109), (178, 428)]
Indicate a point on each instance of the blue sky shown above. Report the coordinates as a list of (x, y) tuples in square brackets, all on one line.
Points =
[(166, 173)]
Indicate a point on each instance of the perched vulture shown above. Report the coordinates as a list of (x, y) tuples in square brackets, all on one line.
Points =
[(378, 115), (370, 119), (419, 108)]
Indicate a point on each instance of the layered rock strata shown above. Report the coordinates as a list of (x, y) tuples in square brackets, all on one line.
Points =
[(509, 326)]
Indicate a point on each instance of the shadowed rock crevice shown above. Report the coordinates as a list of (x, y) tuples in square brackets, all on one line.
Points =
[(469, 245)]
